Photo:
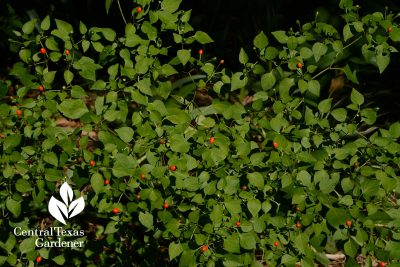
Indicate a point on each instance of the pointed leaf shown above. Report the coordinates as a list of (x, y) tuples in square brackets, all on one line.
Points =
[(66, 193), (54, 208), (174, 250), (77, 207)]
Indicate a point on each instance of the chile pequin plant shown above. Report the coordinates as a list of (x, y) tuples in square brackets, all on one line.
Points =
[(182, 162)]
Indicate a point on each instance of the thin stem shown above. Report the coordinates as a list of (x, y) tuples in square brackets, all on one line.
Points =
[(120, 10), (354, 41), (321, 72)]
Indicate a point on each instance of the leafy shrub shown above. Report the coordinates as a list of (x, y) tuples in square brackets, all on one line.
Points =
[(175, 154)]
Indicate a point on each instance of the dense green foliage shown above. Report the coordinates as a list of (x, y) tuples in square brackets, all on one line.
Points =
[(205, 165)]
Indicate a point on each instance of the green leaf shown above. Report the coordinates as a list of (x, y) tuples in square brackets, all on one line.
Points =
[(243, 58), (178, 143), (319, 49), (87, 68), (261, 40), (85, 45), (60, 259), (25, 55), (351, 248), (12, 141), (280, 36), (325, 105), (382, 61), (239, 80), (271, 53), (29, 26), (306, 52), (109, 34), (337, 217), (352, 76), (167, 70), (97, 183), (233, 206), (301, 243), (177, 116), (232, 243), (23, 185), (124, 166), (254, 206), (146, 219), (284, 89), (13, 206), (73, 108), (394, 248), (256, 179), (125, 133), (247, 241), (314, 87), (340, 114), (170, 5), (356, 97), (82, 27), (68, 76), (305, 178), (111, 228), (203, 37), (216, 215), (49, 76), (63, 31), (394, 130), (395, 34), (174, 250), (45, 25), (51, 158), (27, 245), (268, 80), (184, 56), (108, 5), (347, 34), (51, 44)]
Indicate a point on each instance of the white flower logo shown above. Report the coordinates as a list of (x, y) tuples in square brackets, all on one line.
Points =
[(68, 209)]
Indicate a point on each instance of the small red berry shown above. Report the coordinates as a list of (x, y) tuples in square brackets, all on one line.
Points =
[(204, 248), (139, 9), (244, 187), (180, 221), (382, 264), (349, 223), (212, 140), (276, 244), (67, 52), (276, 145), (38, 259), (298, 225), (172, 168), (221, 61), (42, 51), (138, 196), (166, 205), (41, 88), (106, 182), (299, 65), (390, 29), (201, 51), (238, 224), (92, 163), (115, 210), (18, 112), (142, 176)]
